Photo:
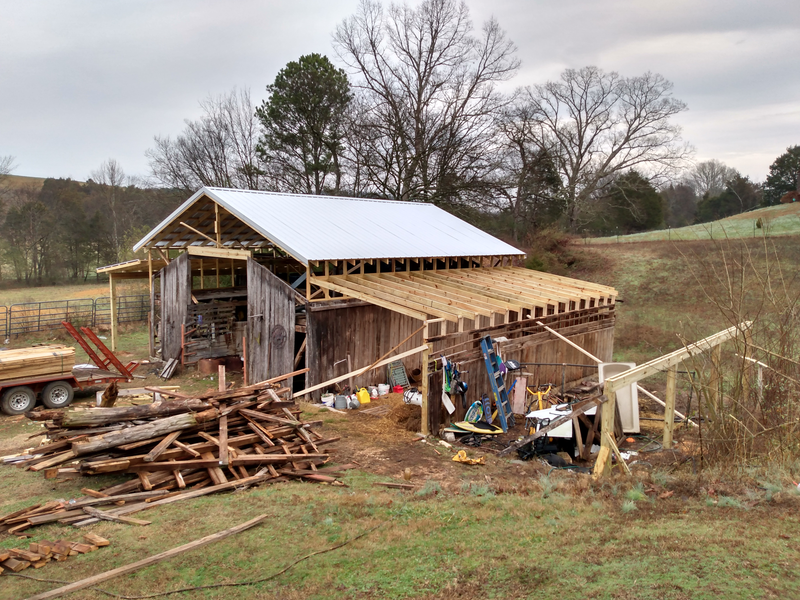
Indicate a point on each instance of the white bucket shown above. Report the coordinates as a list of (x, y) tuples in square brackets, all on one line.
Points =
[(328, 400), (383, 389)]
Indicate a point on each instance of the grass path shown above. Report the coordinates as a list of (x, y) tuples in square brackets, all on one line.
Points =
[(775, 220)]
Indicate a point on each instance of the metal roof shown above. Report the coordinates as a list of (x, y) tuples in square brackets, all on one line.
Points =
[(312, 228)]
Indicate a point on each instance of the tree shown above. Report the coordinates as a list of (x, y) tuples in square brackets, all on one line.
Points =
[(739, 195), (219, 149), (112, 180), (630, 204), (597, 125), (784, 176), (429, 89), (680, 204), (529, 184), (710, 177), (303, 121)]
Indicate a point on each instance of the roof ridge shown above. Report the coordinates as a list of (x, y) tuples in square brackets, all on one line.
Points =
[(325, 196)]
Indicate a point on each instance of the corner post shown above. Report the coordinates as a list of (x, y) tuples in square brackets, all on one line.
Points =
[(609, 407), (425, 425)]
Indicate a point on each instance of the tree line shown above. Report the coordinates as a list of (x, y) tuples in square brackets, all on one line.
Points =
[(62, 230), (420, 108)]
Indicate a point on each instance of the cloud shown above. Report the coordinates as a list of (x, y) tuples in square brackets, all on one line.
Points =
[(87, 80)]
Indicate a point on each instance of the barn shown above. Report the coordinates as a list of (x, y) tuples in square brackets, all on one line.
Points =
[(334, 284)]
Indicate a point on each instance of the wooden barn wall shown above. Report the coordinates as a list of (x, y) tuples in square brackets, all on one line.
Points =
[(270, 324), (595, 335), (365, 332), (176, 294)]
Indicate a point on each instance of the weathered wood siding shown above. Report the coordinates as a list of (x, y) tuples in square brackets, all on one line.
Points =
[(365, 332), (270, 324), (592, 329), (176, 294)]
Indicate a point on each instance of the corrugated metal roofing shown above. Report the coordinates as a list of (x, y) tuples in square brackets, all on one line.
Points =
[(312, 228)]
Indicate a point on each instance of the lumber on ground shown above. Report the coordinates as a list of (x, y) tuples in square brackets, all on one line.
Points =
[(95, 579)]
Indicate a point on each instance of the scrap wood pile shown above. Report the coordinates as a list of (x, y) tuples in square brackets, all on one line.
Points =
[(39, 554), (176, 449)]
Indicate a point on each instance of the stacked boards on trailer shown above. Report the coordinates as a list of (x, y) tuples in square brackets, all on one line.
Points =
[(36, 361)]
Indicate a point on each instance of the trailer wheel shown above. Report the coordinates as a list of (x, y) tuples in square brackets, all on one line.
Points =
[(18, 400), (57, 394)]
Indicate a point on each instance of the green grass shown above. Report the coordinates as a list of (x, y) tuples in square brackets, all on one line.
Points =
[(440, 545), (48, 293), (775, 220)]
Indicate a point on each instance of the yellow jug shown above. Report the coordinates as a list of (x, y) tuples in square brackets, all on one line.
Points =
[(363, 396)]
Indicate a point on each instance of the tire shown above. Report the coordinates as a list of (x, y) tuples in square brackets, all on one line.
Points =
[(18, 400), (57, 394)]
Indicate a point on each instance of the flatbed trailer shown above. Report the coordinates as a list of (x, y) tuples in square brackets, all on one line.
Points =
[(18, 396), (54, 391)]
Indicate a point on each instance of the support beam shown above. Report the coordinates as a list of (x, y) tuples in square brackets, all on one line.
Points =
[(669, 410), (112, 292), (673, 358)]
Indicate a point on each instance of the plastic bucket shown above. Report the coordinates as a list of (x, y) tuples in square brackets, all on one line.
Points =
[(328, 400), (340, 402), (383, 389)]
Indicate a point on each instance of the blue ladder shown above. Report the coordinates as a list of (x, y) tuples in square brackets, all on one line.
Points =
[(497, 383)]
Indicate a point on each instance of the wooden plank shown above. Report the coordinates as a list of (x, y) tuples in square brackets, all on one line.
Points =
[(130, 568), (673, 358), (210, 252), (161, 446), (117, 519)]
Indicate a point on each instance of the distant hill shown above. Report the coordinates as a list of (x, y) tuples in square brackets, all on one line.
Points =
[(16, 182), (775, 220)]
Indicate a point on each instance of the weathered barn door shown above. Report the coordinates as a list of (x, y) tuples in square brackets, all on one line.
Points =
[(270, 324), (176, 293)]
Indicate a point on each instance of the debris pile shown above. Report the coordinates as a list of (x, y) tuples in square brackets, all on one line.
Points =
[(177, 448)]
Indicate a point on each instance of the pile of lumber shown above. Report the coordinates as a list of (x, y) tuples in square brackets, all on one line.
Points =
[(178, 448), (39, 554), (37, 361)]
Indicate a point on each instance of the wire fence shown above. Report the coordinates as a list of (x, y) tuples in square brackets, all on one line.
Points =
[(30, 317)]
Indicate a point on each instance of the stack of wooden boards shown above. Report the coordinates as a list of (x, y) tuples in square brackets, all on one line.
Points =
[(181, 448), (37, 361), (39, 554)]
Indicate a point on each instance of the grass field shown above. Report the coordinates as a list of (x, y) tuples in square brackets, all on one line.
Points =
[(18, 295), (502, 530), (775, 221)]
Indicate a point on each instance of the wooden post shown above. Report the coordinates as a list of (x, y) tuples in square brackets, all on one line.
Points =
[(202, 275), (746, 368), (221, 372), (218, 231), (714, 378), (669, 410), (308, 281), (244, 361), (112, 291), (217, 268), (425, 426), (151, 342), (607, 425)]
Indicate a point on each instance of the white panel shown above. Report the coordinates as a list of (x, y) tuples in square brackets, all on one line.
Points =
[(627, 397)]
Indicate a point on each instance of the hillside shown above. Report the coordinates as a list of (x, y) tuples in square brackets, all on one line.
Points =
[(775, 220), (16, 182)]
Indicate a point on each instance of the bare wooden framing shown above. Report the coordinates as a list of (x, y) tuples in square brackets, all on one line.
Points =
[(112, 293)]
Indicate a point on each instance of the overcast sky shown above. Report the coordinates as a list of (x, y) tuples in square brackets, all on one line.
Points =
[(83, 81)]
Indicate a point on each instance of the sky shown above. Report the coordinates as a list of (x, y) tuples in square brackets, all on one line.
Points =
[(82, 81)]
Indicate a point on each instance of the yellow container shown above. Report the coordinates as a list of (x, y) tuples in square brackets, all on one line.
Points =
[(363, 396)]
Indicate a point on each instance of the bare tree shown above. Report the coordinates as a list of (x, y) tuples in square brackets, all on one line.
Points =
[(597, 125), (6, 165), (429, 90), (219, 149), (710, 177), (112, 180)]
